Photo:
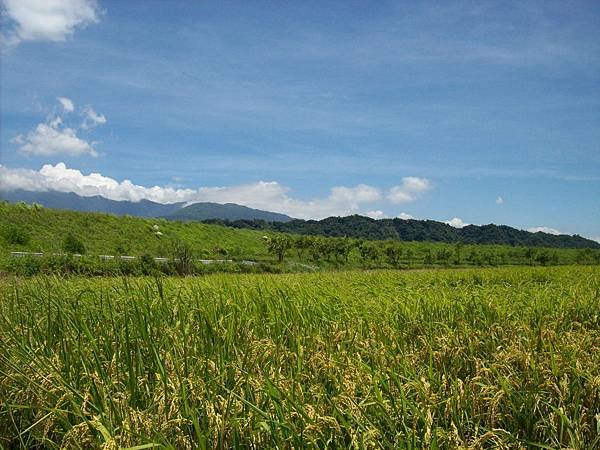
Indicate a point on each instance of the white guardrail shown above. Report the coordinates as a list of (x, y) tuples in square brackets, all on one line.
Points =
[(130, 258)]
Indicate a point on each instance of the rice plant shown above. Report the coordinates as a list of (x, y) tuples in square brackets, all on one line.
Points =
[(486, 358)]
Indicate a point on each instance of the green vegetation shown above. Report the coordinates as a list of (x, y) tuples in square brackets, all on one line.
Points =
[(103, 234), (37, 229), (361, 227), (481, 358), (14, 235), (73, 245)]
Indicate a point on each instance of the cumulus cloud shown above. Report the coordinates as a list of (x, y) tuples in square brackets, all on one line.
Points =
[(499, 200), (60, 178), (92, 118), (410, 189), (355, 195), (376, 214), (544, 230), (456, 222), (50, 139), (268, 195), (405, 216), (67, 104), (47, 20), (54, 138)]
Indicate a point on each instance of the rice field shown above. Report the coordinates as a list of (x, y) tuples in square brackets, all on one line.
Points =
[(481, 358)]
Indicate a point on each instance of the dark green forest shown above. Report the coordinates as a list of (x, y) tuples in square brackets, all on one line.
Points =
[(414, 230)]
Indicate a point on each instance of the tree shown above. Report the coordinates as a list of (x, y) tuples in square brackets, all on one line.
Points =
[(278, 245), (314, 249), (393, 253), (301, 244), (443, 256), (584, 256), (545, 257), (183, 257), (408, 254), (327, 248), (427, 259), (343, 247), (457, 252), (368, 252), (530, 254)]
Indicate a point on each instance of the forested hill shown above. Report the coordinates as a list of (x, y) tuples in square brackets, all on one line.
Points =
[(415, 230)]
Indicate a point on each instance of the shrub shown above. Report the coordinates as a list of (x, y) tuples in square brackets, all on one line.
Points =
[(121, 249), (73, 245), (147, 265), (26, 266), (15, 235)]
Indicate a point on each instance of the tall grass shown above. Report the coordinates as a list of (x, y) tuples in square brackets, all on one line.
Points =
[(473, 359)]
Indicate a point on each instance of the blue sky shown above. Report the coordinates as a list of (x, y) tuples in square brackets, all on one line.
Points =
[(484, 111)]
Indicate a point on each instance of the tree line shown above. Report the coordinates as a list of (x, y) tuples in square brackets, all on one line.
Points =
[(341, 251)]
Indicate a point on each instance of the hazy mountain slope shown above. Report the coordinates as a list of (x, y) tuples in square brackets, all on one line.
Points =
[(69, 200), (227, 211), (143, 208)]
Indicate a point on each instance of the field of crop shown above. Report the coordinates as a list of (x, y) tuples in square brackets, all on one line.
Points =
[(479, 358)]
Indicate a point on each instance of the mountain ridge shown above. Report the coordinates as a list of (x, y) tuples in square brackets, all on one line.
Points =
[(357, 226), (225, 211), (144, 208)]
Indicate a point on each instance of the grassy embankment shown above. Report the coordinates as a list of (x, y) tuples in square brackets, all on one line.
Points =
[(482, 358), (45, 230)]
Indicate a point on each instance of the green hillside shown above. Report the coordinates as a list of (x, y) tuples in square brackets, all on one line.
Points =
[(44, 230)]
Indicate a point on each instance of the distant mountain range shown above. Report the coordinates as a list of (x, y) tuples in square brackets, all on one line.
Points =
[(356, 226), (69, 200), (143, 208)]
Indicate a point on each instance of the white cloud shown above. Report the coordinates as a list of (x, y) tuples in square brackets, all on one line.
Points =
[(56, 122), (269, 195), (409, 190), (359, 194), (92, 118), (47, 20), (544, 230), (377, 214), (67, 104), (48, 139), (499, 200), (405, 216), (53, 138), (456, 222), (597, 239)]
